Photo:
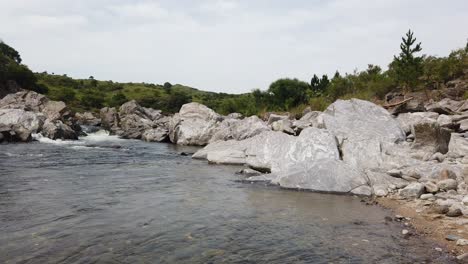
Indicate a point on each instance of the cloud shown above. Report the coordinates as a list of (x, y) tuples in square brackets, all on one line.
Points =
[(141, 10), (222, 45)]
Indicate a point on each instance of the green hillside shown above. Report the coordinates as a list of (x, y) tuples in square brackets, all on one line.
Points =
[(409, 71)]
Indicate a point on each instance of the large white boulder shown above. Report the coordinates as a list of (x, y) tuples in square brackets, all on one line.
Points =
[(362, 129), (278, 152), (325, 175), (361, 120), (195, 124), (308, 161), (18, 125)]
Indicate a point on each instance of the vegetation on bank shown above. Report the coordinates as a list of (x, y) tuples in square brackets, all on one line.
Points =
[(409, 71)]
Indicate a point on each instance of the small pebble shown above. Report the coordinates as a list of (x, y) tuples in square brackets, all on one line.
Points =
[(404, 232), (452, 237), (438, 249), (462, 242), (399, 217)]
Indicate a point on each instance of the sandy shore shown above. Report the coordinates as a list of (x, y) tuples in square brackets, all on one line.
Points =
[(432, 226)]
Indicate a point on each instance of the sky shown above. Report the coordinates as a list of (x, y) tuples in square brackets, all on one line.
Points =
[(229, 46)]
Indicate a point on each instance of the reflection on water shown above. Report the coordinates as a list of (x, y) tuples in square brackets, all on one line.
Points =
[(107, 200)]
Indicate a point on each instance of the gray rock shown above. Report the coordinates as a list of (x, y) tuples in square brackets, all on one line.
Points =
[(452, 237), (279, 152), (326, 175), (408, 120), (54, 110), (308, 161), (275, 117), (310, 119), (445, 106), (413, 190), (413, 105), (431, 187), (438, 156), (109, 118), (427, 196), (361, 120), (445, 121), (454, 211), (195, 124), (430, 138), (465, 201), (18, 124), (87, 119), (394, 173), (136, 121), (25, 100), (458, 145), (380, 190), (59, 124), (463, 126), (362, 128), (239, 129), (159, 134), (284, 126), (448, 184), (56, 129)]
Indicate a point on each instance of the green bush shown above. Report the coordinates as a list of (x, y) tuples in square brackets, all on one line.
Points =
[(117, 100), (92, 99)]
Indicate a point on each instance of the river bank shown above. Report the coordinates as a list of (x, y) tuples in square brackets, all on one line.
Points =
[(105, 199), (445, 231), (415, 153)]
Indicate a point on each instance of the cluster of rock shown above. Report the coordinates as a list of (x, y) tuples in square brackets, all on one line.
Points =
[(133, 121), (195, 124), (357, 147), (415, 150), (26, 113)]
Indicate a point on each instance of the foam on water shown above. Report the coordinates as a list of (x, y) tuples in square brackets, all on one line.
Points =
[(99, 136), (42, 139)]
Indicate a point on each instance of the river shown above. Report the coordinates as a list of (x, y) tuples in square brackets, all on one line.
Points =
[(107, 200)]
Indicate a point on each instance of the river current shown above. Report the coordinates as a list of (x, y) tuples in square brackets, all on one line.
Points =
[(107, 200)]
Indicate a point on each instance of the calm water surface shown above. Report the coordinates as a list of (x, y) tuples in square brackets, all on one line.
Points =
[(106, 200)]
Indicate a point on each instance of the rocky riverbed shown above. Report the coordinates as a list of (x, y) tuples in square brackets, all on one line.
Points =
[(415, 153)]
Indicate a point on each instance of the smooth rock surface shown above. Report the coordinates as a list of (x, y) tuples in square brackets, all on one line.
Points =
[(195, 124), (458, 145), (18, 125), (327, 175), (413, 190)]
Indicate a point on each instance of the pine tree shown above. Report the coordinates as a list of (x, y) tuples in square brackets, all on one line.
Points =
[(407, 68), (314, 83)]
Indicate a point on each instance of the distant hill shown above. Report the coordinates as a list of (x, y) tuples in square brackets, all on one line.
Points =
[(409, 72)]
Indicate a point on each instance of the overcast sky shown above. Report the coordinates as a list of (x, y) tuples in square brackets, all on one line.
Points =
[(223, 45)]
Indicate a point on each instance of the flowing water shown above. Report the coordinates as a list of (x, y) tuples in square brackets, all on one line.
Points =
[(106, 200)]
